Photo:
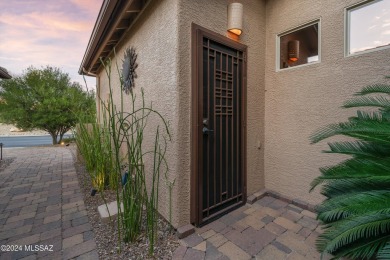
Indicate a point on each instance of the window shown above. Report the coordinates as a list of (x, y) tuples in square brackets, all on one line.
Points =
[(368, 26), (299, 46)]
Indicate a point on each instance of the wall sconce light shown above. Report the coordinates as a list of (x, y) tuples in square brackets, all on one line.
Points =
[(235, 11), (293, 50)]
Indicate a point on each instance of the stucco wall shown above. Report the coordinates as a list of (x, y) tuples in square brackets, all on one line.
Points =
[(300, 100), (155, 37), (283, 107), (162, 38), (213, 16)]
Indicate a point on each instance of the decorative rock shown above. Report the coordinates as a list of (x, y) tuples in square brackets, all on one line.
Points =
[(93, 192), (15, 129), (111, 209)]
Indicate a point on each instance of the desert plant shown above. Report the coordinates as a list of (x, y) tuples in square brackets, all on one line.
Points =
[(93, 142), (144, 162), (356, 212), (102, 148), (68, 139)]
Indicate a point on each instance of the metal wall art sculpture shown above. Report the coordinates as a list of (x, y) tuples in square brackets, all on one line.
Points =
[(128, 69)]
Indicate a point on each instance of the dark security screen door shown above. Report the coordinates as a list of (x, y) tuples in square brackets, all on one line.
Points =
[(221, 169)]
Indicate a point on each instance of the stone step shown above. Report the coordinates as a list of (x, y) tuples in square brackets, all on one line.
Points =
[(111, 209)]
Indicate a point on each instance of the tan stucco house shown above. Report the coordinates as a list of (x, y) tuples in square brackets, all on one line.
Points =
[(4, 74), (242, 108)]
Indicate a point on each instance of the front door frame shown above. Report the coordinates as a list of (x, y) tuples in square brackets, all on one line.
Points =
[(198, 33)]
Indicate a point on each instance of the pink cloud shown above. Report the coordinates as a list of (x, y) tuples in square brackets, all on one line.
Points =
[(44, 21), (59, 21), (92, 6), (40, 33)]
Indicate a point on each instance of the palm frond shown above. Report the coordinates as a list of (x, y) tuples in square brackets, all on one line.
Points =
[(334, 188), (366, 127), (369, 116), (384, 252), (348, 230), (363, 249), (359, 149), (354, 203), (364, 101), (374, 89), (353, 168)]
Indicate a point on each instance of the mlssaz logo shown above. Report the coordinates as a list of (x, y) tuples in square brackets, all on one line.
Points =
[(38, 248)]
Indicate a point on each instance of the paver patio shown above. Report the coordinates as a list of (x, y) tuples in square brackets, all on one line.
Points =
[(41, 204), (268, 229)]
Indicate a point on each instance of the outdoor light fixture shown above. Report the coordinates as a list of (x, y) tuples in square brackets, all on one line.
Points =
[(235, 11), (293, 50)]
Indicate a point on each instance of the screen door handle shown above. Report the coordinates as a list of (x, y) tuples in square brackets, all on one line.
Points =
[(206, 130)]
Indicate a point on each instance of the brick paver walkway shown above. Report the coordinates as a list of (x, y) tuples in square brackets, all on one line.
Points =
[(41, 205), (42, 210), (269, 229)]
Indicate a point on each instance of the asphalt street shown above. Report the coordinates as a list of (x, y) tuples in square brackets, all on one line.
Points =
[(25, 141)]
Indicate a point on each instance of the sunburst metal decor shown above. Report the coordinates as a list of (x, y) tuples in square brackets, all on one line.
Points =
[(128, 69)]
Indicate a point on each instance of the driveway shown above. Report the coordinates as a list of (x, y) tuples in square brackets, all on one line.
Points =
[(42, 213)]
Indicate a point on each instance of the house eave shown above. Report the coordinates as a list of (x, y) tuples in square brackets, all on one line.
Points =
[(114, 20)]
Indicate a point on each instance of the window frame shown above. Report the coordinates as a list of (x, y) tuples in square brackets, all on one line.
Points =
[(294, 29), (347, 40)]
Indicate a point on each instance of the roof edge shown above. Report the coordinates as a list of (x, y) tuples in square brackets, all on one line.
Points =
[(115, 19), (97, 33)]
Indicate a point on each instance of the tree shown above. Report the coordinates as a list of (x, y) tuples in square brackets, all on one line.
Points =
[(356, 212), (44, 99)]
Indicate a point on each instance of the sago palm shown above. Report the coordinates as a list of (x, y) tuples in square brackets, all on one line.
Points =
[(355, 215)]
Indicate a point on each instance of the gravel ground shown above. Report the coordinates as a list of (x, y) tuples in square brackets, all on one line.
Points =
[(106, 235)]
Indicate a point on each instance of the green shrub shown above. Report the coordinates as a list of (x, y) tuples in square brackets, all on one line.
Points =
[(355, 215), (67, 140), (94, 144), (102, 147)]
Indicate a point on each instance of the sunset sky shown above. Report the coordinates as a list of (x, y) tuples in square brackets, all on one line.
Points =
[(40, 33), (56, 32)]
